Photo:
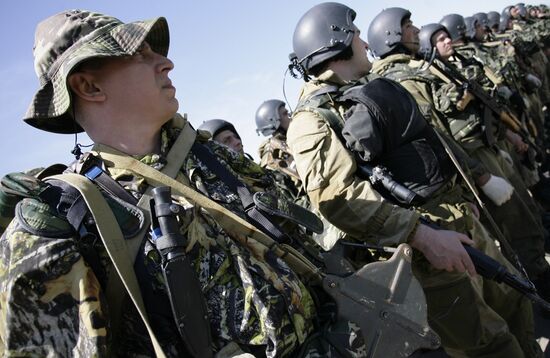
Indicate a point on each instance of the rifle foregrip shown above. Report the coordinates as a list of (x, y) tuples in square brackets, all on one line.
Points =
[(491, 269), (485, 265)]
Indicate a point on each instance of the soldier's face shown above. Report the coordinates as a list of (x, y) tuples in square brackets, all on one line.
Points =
[(443, 44), (409, 36), (229, 139), (139, 84), (360, 60), (480, 32), (284, 118)]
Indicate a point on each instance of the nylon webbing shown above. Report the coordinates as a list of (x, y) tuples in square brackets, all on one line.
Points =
[(208, 158), (232, 223), (114, 243)]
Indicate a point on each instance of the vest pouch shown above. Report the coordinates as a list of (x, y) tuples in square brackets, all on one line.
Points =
[(419, 166)]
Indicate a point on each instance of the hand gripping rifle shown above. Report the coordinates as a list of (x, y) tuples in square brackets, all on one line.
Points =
[(473, 88), (485, 265), (184, 289)]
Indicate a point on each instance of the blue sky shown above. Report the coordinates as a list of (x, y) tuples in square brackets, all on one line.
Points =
[(229, 57)]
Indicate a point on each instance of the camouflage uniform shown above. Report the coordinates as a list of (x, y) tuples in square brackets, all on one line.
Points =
[(350, 203), (253, 297), (439, 101), (531, 59), (274, 154), (55, 297)]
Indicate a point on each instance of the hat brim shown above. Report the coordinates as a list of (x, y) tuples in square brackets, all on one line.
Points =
[(50, 107)]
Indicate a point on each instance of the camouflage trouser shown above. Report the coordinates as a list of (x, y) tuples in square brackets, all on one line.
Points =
[(473, 316), (527, 237)]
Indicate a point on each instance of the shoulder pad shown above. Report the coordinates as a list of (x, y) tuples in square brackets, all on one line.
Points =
[(13, 188), (70, 205), (40, 218), (49, 208)]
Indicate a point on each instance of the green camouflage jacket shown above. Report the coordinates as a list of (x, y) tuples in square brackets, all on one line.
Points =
[(437, 99), (52, 303)]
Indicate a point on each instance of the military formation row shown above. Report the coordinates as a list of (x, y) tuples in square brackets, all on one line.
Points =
[(168, 241)]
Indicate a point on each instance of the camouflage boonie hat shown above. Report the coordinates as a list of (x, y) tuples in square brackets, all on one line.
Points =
[(64, 40)]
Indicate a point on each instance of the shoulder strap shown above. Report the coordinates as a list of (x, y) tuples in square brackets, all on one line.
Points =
[(114, 242), (315, 103), (255, 215), (123, 252), (231, 222)]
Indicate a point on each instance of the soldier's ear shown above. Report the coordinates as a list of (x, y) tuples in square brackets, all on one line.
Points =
[(84, 85)]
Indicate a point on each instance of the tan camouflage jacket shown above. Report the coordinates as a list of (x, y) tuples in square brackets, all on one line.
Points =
[(52, 303), (328, 169), (275, 154)]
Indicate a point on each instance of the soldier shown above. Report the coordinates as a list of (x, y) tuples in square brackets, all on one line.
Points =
[(493, 20), (224, 133), (528, 243), (272, 119), (60, 291), (499, 69), (329, 51)]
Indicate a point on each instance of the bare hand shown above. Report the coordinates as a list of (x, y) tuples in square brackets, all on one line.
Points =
[(519, 145), (443, 249)]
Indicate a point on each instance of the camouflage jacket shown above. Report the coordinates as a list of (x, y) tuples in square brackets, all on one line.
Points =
[(438, 99), (52, 303), (484, 53), (275, 154), (328, 171)]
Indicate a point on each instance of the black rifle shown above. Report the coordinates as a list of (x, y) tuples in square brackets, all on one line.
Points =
[(491, 269), (500, 110), (486, 266), (380, 176), (184, 289)]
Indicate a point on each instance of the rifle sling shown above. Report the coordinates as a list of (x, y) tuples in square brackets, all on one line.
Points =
[(499, 235), (114, 243), (255, 215), (232, 223), (123, 252)]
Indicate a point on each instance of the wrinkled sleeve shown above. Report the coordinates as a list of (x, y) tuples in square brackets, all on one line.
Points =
[(348, 202), (50, 300)]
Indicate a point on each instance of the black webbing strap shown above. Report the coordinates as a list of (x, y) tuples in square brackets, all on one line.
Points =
[(105, 182), (256, 217)]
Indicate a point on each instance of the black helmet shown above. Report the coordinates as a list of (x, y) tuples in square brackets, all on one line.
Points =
[(384, 33), (215, 126), (522, 10), (454, 23), (506, 11), (267, 117), (425, 36), (504, 21), (494, 19), (322, 33), (470, 22), (482, 19)]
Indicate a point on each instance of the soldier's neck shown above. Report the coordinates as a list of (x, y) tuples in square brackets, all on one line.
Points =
[(133, 138)]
